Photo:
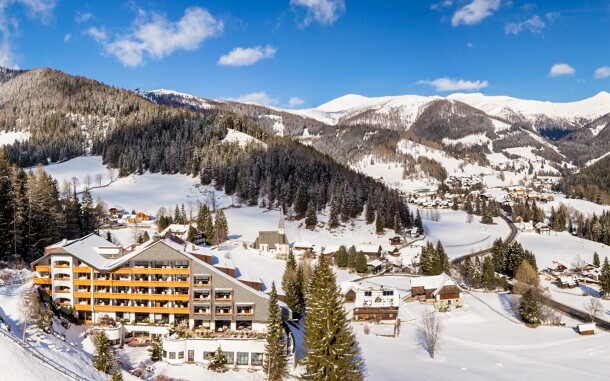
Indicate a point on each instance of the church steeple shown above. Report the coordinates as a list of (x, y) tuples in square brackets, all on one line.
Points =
[(280, 226)]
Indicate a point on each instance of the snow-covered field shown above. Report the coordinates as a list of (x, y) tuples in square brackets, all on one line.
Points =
[(146, 193), (457, 235), (483, 342), (561, 247), (585, 207), (10, 137)]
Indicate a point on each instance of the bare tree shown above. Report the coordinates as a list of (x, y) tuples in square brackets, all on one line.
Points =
[(98, 179), (593, 308), (75, 183), (578, 263), (88, 181), (111, 174), (428, 334)]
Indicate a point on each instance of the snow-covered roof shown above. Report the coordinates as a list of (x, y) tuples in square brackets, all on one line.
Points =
[(435, 282), (368, 248), (302, 244), (375, 263), (89, 249), (331, 249)]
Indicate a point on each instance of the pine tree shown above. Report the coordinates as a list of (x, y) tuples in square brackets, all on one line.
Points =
[(311, 219), (443, 259), (341, 256), (116, 374), (418, 223), (221, 227), (428, 260), (292, 289), (333, 218), (378, 223), (191, 234), (488, 278), (102, 357), (155, 349), (276, 357), (596, 259), (300, 201), (369, 212), (360, 265), (351, 257), (605, 279), (529, 307), (331, 349)]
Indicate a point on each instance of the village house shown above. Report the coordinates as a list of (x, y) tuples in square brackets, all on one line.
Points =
[(273, 242), (374, 266), (543, 228), (303, 248), (376, 304), (182, 231), (372, 251), (439, 290), (567, 281)]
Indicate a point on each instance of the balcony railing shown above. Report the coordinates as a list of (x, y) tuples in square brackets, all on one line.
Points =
[(42, 269), (42, 280), (153, 270)]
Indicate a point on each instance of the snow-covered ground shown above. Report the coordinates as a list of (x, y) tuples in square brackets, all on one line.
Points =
[(10, 137), (457, 235), (585, 207), (146, 193), (561, 247)]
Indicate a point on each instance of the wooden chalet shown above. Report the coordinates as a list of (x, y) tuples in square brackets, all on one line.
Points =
[(438, 289), (376, 304), (396, 240), (586, 329), (567, 281), (371, 251)]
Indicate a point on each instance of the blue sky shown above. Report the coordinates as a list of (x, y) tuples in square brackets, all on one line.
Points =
[(302, 53)]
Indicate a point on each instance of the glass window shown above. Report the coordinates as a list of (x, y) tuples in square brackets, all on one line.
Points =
[(172, 355), (229, 356), (257, 359), (164, 353), (388, 293), (368, 293), (207, 355), (242, 358), (181, 355)]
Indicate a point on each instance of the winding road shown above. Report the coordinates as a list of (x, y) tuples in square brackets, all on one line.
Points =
[(510, 238)]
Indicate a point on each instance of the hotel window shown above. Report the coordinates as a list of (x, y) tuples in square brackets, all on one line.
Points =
[(181, 355), (257, 359), (182, 264), (229, 356), (207, 355), (172, 355), (368, 293), (242, 358), (164, 353), (388, 293)]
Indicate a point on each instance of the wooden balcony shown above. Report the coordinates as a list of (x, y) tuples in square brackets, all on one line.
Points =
[(153, 270), (61, 291), (82, 307), (81, 269), (42, 269), (82, 294), (159, 310), (65, 279), (197, 312), (42, 280), (82, 282), (55, 266)]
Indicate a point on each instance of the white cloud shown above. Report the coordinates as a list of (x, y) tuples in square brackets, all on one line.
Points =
[(295, 101), (534, 24), (561, 69), (475, 12), (602, 72), (98, 34), (247, 56), (152, 36), (259, 97), (67, 37), (38, 9), (450, 84), (325, 12), (469, 45), (82, 17), (442, 4)]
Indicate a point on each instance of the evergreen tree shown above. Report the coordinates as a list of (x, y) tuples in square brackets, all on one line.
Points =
[(605, 279), (276, 358), (333, 218), (156, 349), (221, 227), (331, 349), (311, 218), (102, 357), (360, 265), (596, 259), (418, 223), (292, 289), (486, 217), (442, 259), (529, 307), (428, 262), (300, 201), (454, 204), (341, 256), (351, 257), (488, 278), (498, 255), (378, 223), (116, 374), (191, 236), (208, 229), (369, 212)]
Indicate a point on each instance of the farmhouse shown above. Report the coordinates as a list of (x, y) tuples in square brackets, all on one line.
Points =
[(567, 281), (374, 266), (274, 242), (586, 329), (438, 289), (376, 304), (182, 231), (371, 251), (543, 228)]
